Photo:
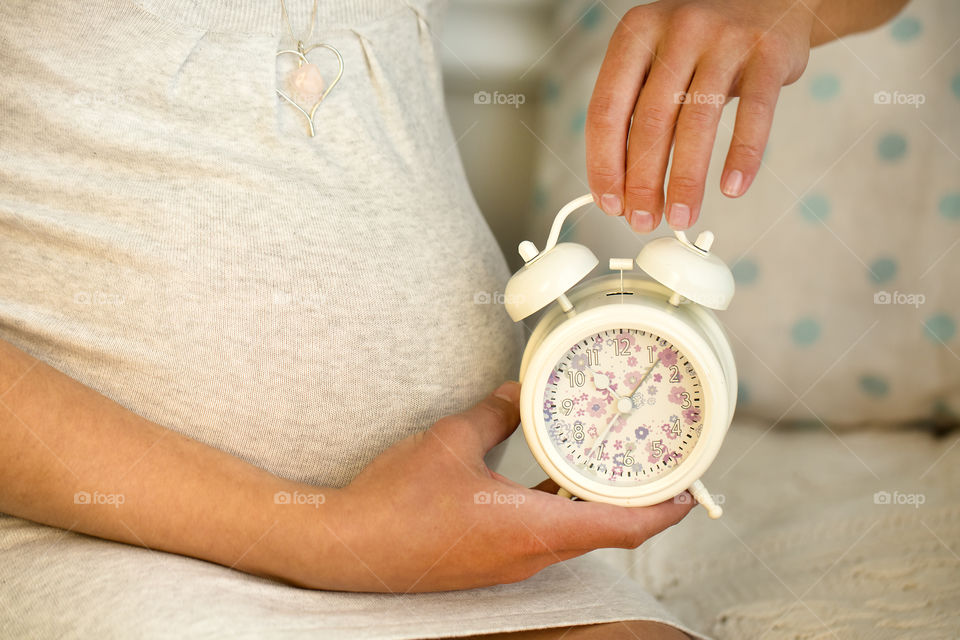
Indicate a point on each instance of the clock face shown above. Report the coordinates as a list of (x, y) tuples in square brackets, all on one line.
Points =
[(623, 407)]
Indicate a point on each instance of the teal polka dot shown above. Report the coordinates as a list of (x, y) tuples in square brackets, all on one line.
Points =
[(892, 147), (743, 393), (805, 331), (539, 197), (906, 29), (815, 207), (940, 328), (874, 386), (950, 206), (942, 410), (551, 90), (824, 87), (579, 121), (592, 16), (744, 271), (955, 85), (883, 270)]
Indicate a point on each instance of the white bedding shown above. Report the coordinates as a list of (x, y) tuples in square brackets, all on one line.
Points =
[(803, 550), (807, 548)]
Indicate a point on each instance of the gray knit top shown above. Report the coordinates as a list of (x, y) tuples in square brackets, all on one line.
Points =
[(173, 238)]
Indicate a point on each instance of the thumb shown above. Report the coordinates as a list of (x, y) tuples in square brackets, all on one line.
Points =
[(496, 416), (593, 525)]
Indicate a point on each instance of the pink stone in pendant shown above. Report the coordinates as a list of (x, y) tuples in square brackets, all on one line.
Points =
[(305, 84)]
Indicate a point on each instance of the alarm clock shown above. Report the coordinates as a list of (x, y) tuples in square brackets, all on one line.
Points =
[(628, 383)]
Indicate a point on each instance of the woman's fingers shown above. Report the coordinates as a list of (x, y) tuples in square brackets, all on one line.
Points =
[(759, 90), (611, 106), (484, 425), (695, 133), (651, 134), (655, 52)]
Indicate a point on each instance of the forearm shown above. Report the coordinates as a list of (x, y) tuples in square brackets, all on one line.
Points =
[(147, 485), (409, 522), (838, 18)]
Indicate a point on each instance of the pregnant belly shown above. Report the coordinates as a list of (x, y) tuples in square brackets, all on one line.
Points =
[(304, 339)]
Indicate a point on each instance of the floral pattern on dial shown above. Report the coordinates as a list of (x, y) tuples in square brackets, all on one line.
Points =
[(623, 406)]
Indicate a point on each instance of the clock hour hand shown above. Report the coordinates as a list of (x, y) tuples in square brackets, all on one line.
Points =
[(602, 382)]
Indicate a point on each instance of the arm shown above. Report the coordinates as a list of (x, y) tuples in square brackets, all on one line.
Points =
[(671, 66), (839, 18), (158, 489), (165, 491)]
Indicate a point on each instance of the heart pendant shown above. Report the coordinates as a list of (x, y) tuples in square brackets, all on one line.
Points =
[(307, 75)]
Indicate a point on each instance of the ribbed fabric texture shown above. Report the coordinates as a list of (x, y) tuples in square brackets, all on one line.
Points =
[(240, 16), (171, 237)]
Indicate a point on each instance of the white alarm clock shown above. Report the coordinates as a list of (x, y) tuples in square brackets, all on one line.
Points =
[(628, 385)]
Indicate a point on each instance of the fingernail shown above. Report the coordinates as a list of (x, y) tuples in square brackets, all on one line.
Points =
[(611, 204), (733, 185), (679, 216), (509, 391), (641, 221)]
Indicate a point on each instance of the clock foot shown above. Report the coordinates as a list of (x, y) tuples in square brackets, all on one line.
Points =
[(701, 495)]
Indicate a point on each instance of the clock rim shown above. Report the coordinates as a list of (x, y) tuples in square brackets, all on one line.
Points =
[(715, 421)]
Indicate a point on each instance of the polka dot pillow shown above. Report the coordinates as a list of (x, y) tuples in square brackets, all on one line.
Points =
[(846, 250)]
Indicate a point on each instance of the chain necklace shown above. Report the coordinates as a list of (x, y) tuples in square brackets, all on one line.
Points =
[(305, 86)]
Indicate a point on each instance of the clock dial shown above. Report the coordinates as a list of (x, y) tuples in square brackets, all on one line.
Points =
[(623, 406)]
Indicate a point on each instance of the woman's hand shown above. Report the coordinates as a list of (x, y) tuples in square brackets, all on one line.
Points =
[(428, 515), (672, 66)]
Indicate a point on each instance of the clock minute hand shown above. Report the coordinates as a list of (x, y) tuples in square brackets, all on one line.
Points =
[(606, 431), (622, 410)]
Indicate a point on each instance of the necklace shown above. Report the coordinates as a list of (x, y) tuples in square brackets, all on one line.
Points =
[(305, 85)]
